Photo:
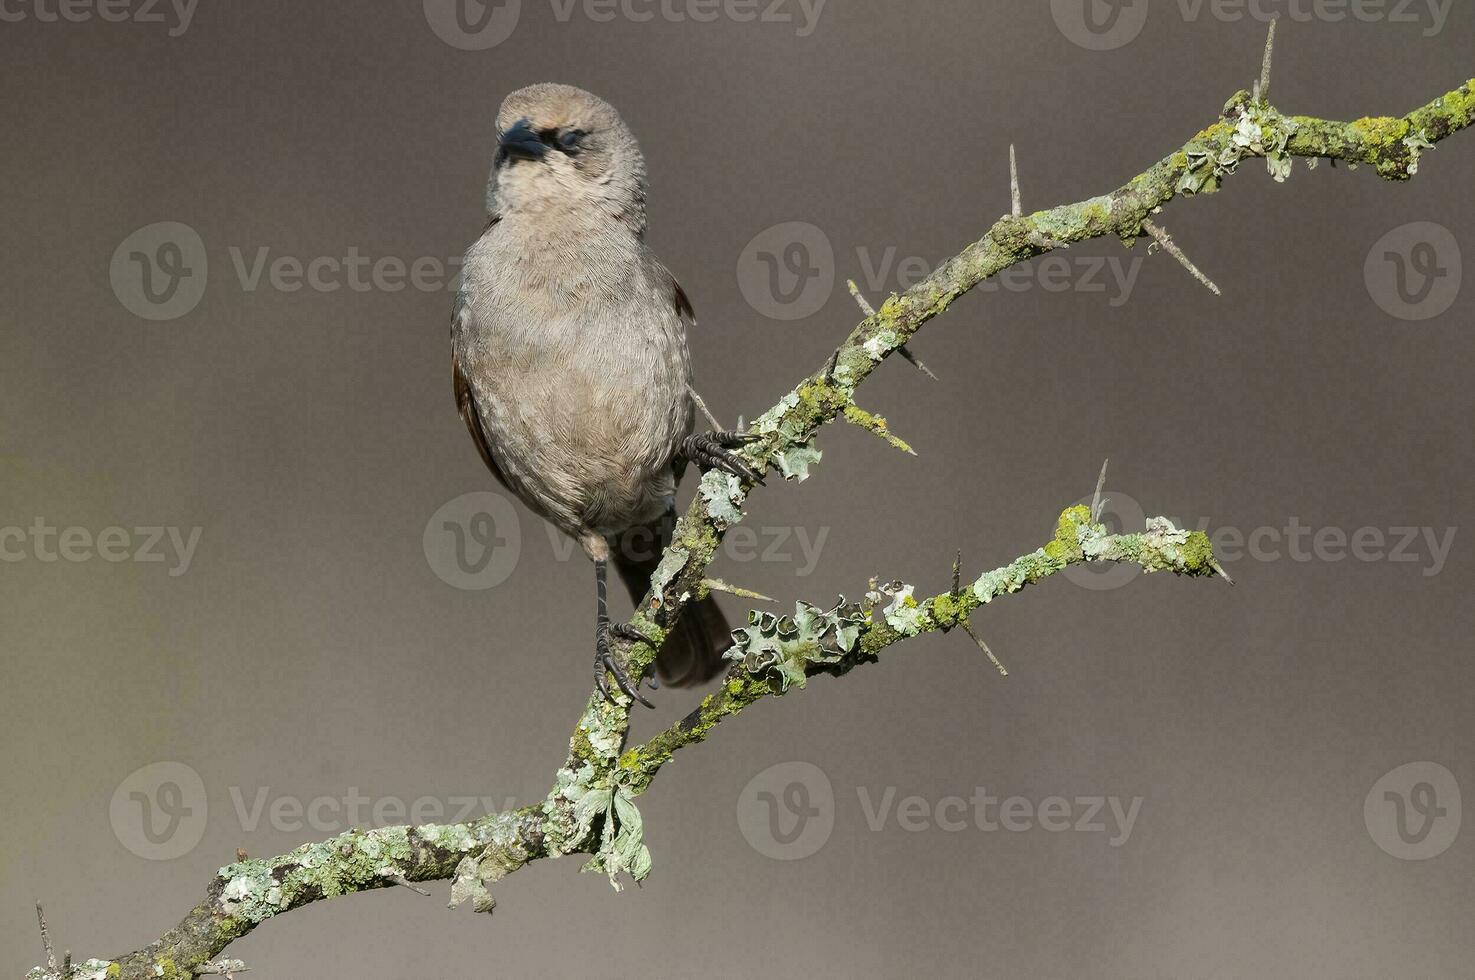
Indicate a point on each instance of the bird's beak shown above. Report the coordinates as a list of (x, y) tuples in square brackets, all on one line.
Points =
[(520, 142)]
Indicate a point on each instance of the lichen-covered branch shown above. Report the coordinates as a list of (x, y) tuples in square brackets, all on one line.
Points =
[(590, 808), (1246, 129), (775, 653)]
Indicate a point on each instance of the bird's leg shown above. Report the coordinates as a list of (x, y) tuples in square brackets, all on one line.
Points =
[(711, 450), (604, 656)]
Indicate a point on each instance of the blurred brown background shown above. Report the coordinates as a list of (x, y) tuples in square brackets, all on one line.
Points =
[(318, 638)]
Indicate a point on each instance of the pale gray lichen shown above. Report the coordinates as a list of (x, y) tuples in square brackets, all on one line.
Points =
[(622, 848), (1011, 578), (881, 343), (672, 562), (785, 646), (723, 494), (794, 461), (903, 614), (1417, 143), (505, 852), (769, 421), (1161, 547), (448, 837), (1259, 131)]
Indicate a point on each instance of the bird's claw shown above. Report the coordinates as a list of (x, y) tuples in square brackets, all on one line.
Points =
[(633, 633), (605, 662), (713, 450)]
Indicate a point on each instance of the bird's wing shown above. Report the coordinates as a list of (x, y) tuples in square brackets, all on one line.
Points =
[(688, 318), (465, 401)]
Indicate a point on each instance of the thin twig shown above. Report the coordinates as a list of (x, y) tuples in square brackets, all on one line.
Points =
[(404, 882), (968, 628), (702, 407), (1171, 247), (717, 585), (1096, 500), (1014, 196), (1264, 90), (46, 939)]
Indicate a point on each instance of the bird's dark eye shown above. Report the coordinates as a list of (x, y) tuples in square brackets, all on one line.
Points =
[(570, 139)]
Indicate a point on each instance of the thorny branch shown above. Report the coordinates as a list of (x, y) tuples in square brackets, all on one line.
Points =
[(591, 808)]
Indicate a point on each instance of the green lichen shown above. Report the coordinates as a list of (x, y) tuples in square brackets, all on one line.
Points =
[(949, 610), (1066, 545), (1381, 132)]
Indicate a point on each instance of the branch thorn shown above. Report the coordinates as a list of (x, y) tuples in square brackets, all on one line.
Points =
[(46, 939), (1014, 197), (706, 412), (968, 628), (856, 415), (404, 882), (958, 574), (1171, 247), (717, 585), (1096, 501), (1263, 90)]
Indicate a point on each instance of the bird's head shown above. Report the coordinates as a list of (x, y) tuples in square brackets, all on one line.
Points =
[(561, 150)]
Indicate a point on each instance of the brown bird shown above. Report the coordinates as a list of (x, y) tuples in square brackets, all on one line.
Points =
[(570, 360)]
